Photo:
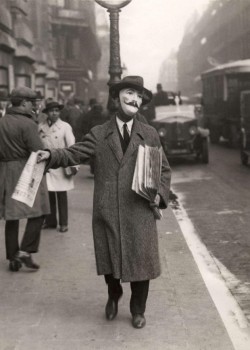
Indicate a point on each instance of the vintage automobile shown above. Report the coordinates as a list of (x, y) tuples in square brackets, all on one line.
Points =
[(181, 133), (245, 127)]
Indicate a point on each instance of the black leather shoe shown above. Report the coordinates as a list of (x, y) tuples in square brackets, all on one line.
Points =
[(111, 309), (28, 261), (63, 229), (138, 321), (14, 265)]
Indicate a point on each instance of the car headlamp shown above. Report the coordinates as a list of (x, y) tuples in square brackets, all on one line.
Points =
[(193, 130), (162, 132)]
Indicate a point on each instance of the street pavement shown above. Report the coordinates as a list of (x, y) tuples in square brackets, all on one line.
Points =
[(61, 306)]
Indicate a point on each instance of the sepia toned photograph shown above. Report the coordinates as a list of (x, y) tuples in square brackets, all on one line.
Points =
[(124, 174)]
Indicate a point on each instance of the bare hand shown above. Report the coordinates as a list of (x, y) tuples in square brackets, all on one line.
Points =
[(156, 201), (42, 156)]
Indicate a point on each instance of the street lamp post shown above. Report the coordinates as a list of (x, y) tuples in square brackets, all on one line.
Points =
[(113, 7)]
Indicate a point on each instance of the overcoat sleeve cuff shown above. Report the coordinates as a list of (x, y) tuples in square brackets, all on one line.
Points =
[(48, 162)]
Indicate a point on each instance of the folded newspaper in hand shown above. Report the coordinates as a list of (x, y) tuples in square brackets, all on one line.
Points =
[(29, 181), (147, 174)]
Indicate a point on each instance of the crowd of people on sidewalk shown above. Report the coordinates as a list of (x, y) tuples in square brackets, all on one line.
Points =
[(124, 225)]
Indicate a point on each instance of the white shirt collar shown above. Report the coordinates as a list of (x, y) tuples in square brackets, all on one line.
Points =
[(120, 125)]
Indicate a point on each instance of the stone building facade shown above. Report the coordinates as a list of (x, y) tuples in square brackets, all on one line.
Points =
[(220, 35), (50, 46)]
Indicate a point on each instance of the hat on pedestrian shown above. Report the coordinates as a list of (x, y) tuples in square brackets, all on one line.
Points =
[(134, 82), (23, 92), (52, 104), (39, 95), (92, 101)]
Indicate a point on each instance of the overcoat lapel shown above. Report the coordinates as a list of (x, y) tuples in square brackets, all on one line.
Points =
[(136, 139), (114, 140)]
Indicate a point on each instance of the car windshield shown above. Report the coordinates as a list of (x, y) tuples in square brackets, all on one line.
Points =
[(174, 111)]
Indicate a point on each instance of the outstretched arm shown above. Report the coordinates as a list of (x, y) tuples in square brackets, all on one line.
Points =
[(78, 153)]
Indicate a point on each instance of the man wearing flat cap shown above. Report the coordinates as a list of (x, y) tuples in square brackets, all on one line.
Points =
[(18, 138), (124, 227)]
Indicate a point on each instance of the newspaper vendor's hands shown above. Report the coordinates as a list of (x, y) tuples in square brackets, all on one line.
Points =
[(156, 201), (42, 156)]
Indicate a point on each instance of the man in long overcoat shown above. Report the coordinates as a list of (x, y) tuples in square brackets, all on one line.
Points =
[(18, 138), (124, 227)]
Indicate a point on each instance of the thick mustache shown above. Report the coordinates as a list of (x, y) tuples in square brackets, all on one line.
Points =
[(133, 104)]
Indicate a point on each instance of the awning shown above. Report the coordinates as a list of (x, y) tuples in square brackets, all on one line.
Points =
[(25, 53), (7, 42), (5, 18), (52, 75), (40, 69), (23, 32)]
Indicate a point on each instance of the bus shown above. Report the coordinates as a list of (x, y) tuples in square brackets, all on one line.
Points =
[(221, 93)]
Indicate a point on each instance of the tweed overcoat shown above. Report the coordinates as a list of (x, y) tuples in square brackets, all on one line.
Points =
[(18, 138), (124, 228)]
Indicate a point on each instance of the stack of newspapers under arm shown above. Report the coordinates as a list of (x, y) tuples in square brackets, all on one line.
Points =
[(147, 175)]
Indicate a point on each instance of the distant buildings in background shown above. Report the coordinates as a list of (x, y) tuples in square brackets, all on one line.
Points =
[(55, 47), (221, 35), (75, 46), (168, 76), (61, 47)]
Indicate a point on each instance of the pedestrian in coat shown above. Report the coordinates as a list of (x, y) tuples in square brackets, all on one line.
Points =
[(56, 133), (72, 115), (161, 97), (124, 227), (18, 138)]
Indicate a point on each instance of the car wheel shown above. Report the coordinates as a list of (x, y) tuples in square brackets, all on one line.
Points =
[(244, 158), (204, 151)]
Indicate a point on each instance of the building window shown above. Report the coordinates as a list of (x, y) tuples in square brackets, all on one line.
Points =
[(59, 46), (72, 47), (23, 80), (4, 81), (4, 88), (72, 4)]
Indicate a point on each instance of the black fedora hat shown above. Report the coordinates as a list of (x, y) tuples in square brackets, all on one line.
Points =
[(52, 104), (39, 95), (131, 81)]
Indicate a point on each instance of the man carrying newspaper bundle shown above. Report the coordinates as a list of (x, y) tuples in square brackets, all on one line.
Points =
[(124, 225), (18, 138)]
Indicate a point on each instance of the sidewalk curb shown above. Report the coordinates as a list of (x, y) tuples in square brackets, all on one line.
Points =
[(232, 316)]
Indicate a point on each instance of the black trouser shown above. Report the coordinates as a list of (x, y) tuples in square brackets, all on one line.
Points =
[(139, 293), (62, 202), (31, 237)]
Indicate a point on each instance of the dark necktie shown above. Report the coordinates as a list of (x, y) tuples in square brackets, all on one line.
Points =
[(126, 136)]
